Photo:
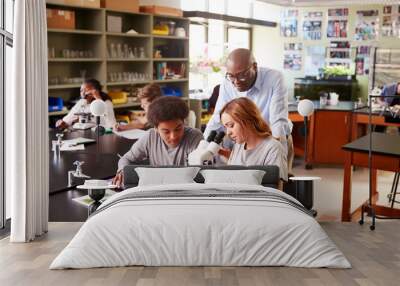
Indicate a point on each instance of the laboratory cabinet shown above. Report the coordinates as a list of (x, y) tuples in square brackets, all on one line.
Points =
[(331, 131)]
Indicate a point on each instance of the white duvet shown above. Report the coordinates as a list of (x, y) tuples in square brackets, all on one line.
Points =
[(200, 231)]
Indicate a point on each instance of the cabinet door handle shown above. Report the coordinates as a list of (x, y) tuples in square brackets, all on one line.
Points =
[(345, 119)]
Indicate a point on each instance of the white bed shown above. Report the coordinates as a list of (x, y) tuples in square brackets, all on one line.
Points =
[(247, 229)]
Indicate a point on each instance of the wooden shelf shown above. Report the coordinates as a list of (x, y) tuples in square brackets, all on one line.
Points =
[(170, 17), (129, 104), (128, 60), (128, 82), (57, 113), (65, 86), (140, 14), (170, 37), (170, 80), (170, 59), (73, 60), (128, 35), (49, 3), (75, 31), (92, 35)]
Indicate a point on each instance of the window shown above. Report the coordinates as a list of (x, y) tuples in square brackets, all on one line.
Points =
[(209, 49), (7, 94), (217, 6), (242, 8), (266, 11), (194, 5), (2, 171), (197, 43), (216, 39), (238, 38), (6, 42), (212, 40)]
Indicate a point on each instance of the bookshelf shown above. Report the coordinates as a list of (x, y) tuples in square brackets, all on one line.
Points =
[(119, 60)]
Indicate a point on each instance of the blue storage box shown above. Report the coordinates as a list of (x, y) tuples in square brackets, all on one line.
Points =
[(56, 103), (171, 91)]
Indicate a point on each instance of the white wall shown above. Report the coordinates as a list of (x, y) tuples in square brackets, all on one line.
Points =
[(267, 47)]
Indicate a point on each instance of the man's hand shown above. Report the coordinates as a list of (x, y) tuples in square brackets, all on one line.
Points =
[(61, 124), (118, 179), (396, 109)]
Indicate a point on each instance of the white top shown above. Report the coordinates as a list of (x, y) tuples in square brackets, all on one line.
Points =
[(151, 147), (108, 120), (268, 152), (269, 93)]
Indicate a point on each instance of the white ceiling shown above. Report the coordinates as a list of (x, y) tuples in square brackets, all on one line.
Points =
[(328, 2)]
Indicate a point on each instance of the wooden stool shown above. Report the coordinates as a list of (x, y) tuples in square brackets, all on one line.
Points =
[(393, 191)]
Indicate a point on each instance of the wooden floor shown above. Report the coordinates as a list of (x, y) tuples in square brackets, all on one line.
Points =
[(375, 257)]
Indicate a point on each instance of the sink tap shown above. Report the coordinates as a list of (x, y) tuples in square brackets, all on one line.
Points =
[(57, 146), (77, 176)]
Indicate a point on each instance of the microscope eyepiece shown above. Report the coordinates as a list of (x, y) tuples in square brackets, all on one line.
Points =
[(211, 136), (220, 136)]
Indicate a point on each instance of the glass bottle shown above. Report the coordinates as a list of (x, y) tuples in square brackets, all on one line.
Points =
[(141, 53), (119, 51), (126, 51)]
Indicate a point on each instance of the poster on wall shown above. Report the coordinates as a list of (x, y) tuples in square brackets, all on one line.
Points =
[(314, 61), (338, 53), (293, 47), (292, 62), (367, 25), (362, 60), (337, 23), (289, 23), (292, 59), (391, 21), (312, 25)]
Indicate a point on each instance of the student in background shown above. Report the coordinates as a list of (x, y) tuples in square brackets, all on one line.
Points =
[(213, 99), (388, 92), (390, 97), (254, 143), (146, 95), (90, 91), (169, 142)]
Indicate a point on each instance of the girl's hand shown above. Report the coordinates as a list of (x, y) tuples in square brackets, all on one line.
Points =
[(225, 152)]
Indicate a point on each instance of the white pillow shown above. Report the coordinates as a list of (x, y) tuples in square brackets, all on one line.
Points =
[(166, 176), (249, 177)]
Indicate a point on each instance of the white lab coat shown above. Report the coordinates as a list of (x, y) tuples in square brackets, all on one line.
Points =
[(108, 120)]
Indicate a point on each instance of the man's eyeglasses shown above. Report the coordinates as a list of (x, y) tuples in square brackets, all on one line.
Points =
[(242, 76)]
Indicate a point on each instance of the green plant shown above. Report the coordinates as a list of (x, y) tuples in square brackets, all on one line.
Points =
[(337, 71)]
